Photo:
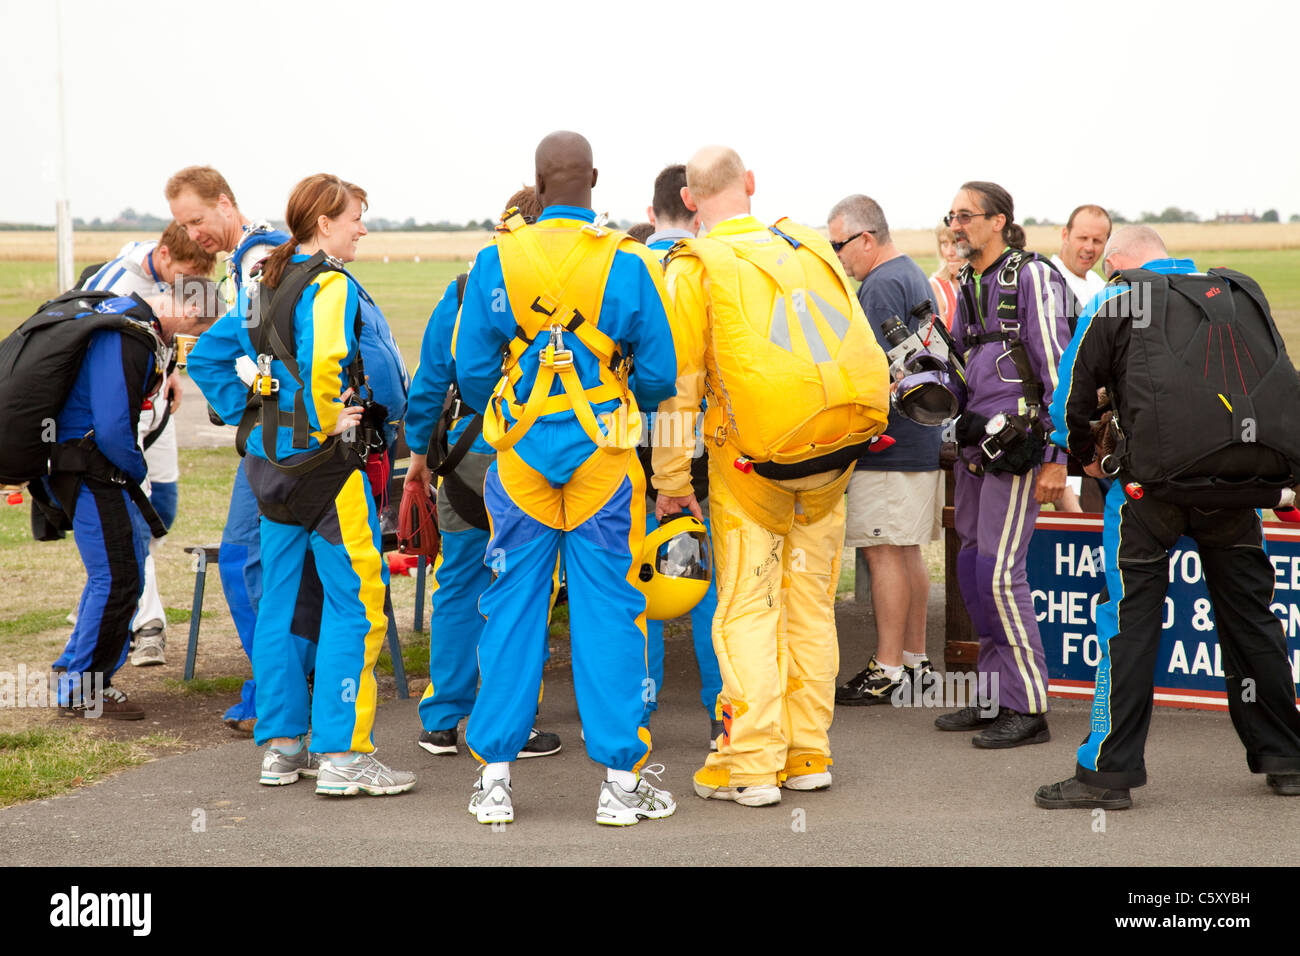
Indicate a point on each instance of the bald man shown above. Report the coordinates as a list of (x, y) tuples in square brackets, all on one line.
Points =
[(570, 302), (777, 529), (1139, 531)]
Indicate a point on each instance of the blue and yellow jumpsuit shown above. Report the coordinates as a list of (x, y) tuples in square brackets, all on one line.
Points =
[(556, 493), (328, 511), (460, 575)]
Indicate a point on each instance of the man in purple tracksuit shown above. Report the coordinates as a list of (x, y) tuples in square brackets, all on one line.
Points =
[(1011, 325)]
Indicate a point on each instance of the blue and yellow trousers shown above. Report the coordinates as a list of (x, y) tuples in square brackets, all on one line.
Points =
[(333, 517), (595, 525)]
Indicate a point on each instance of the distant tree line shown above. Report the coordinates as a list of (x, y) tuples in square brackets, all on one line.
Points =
[(1170, 214), (128, 220)]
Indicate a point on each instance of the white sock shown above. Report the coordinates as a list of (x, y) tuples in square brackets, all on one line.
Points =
[(624, 778), (892, 671), (497, 771), (913, 660)]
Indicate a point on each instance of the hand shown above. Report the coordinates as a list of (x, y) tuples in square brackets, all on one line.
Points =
[(1093, 469), (667, 507), (350, 417), (1051, 483), (172, 391), (419, 472)]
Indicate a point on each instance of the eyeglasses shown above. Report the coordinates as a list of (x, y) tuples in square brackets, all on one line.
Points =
[(837, 246), (964, 218)]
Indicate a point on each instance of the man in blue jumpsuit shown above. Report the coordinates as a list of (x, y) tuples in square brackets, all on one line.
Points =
[(203, 203), (119, 370), (460, 575), (582, 300), (1139, 530), (674, 222)]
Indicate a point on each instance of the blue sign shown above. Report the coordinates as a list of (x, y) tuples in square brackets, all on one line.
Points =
[(1066, 577)]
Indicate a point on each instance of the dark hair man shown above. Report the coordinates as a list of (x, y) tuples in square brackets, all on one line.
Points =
[(1012, 326)]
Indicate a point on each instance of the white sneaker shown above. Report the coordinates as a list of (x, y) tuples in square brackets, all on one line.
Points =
[(490, 801), (280, 768), (763, 795), (150, 645), (617, 807), (809, 781), (365, 774)]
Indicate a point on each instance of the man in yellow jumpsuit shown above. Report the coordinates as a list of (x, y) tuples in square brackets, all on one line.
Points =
[(777, 539)]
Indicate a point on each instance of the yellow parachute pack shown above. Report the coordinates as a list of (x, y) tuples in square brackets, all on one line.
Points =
[(800, 374), (555, 281)]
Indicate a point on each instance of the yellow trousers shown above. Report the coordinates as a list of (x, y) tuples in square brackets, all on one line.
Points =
[(774, 633)]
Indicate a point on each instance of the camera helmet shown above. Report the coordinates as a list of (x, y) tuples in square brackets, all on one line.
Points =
[(676, 567), (930, 391)]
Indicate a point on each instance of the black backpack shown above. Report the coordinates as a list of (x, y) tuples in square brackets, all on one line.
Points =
[(39, 363), (1209, 405)]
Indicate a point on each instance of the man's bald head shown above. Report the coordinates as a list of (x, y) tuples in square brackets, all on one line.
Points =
[(717, 185), (565, 172), (1131, 246), (714, 169)]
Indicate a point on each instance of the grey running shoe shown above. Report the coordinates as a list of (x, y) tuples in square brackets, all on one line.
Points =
[(490, 801), (540, 744), (150, 645), (280, 768), (618, 808), (365, 774)]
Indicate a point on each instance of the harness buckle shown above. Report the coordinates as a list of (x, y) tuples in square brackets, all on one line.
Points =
[(555, 355), (264, 384)]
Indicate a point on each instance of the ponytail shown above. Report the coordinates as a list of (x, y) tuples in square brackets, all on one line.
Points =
[(274, 266), (1013, 235)]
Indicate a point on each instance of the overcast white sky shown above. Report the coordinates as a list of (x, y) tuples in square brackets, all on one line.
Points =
[(435, 108)]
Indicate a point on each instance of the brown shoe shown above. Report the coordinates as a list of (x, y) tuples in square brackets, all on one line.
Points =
[(113, 704), (242, 727)]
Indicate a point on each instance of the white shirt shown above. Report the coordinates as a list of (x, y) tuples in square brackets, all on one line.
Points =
[(1084, 289)]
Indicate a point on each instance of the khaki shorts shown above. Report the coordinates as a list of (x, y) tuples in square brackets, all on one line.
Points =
[(894, 507)]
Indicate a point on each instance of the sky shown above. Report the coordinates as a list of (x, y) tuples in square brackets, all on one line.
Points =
[(435, 108)]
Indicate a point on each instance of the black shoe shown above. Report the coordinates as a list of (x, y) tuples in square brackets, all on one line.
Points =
[(1013, 729), (716, 730), (1074, 794), (1284, 784), (967, 718), (440, 743), (540, 744), (869, 686)]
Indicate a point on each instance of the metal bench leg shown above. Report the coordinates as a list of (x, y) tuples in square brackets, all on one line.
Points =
[(395, 648), (196, 612), (420, 567)]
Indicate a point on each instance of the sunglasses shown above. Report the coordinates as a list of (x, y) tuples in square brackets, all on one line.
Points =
[(963, 218), (837, 246)]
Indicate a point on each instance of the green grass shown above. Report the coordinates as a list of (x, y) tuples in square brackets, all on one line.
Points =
[(415, 653), (46, 761), (205, 685)]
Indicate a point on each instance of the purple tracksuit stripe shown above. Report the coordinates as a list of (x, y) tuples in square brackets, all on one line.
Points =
[(995, 517)]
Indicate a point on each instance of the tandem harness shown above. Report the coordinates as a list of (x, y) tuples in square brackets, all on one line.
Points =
[(464, 499), (1010, 442), (274, 340), (582, 274)]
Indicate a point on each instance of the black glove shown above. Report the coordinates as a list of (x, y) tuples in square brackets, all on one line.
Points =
[(970, 429)]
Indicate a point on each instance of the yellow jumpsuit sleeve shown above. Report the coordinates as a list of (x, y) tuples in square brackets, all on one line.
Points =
[(689, 321)]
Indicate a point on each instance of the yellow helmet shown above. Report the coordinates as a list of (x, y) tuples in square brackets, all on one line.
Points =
[(676, 567)]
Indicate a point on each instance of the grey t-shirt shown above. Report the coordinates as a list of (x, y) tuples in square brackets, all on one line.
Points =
[(895, 288)]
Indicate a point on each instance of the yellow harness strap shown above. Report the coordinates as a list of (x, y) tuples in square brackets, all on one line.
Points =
[(577, 284)]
